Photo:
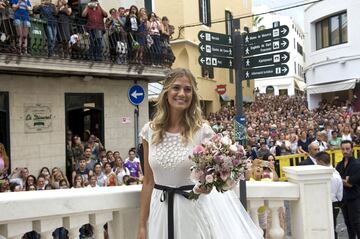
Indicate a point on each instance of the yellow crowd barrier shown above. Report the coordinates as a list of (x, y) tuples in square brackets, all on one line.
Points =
[(295, 159)]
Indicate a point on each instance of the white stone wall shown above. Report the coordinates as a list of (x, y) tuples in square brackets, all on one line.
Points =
[(279, 83), (35, 150), (335, 63)]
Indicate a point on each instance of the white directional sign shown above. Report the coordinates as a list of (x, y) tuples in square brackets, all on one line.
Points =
[(268, 34), (215, 38), (215, 50), (221, 62), (268, 59), (264, 72), (265, 47)]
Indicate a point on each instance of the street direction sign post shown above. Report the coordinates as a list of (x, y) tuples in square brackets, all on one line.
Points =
[(215, 50), (263, 72), (215, 38), (216, 62), (264, 60), (265, 47), (136, 94), (273, 33)]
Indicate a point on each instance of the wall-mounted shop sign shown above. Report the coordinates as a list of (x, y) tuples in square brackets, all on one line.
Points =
[(38, 118)]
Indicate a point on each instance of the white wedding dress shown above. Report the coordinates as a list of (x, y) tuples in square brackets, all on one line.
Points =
[(213, 216)]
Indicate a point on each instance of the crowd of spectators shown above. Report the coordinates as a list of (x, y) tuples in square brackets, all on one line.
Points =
[(90, 166), (130, 35), (275, 126), (282, 125)]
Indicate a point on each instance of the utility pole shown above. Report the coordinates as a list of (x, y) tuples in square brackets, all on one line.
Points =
[(238, 49)]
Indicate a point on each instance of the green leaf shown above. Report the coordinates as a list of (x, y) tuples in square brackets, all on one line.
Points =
[(193, 196)]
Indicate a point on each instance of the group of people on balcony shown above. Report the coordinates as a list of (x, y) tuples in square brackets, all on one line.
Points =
[(129, 35)]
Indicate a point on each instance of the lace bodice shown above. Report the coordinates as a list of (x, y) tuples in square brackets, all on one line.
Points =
[(169, 160)]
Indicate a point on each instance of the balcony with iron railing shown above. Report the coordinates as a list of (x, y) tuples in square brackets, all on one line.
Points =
[(76, 52), (307, 193)]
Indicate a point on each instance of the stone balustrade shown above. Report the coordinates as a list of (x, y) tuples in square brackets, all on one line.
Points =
[(308, 193)]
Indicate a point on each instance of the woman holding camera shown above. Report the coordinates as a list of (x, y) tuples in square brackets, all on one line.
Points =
[(64, 13), (132, 28), (155, 29)]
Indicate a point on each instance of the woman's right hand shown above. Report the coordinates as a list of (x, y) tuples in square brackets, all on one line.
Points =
[(142, 233)]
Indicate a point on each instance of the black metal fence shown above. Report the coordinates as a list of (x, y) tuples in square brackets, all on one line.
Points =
[(71, 40)]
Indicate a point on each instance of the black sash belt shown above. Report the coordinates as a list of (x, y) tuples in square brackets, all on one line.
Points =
[(170, 192)]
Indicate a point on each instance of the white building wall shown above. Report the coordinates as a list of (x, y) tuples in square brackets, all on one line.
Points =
[(288, 81), (35, 150), (335, 63)]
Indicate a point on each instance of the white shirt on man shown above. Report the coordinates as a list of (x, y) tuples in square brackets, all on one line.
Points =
[(336, 187), (322, 145)]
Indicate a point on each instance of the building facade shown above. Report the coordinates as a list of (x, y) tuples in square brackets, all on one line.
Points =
[(182, 14), (293, 83), (42, 98), (332, 52)]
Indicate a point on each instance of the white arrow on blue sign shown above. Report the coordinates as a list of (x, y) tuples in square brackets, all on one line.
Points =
[(136, 94)]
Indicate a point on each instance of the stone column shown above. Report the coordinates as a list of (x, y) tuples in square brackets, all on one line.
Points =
[(311, 215), (15, 230), (73, 224)]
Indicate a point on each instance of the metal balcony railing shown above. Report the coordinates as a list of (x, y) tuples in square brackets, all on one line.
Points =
[(73, 40)]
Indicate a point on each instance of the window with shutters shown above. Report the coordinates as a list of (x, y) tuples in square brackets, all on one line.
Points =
[(205, 12), (331, 31)]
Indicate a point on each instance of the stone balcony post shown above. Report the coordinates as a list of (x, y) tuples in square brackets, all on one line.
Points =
[(311, 215)]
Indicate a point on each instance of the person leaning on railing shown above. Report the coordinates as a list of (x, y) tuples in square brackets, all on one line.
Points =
[(165, 34), (22, 23), (95, 26), (64, 13), (48, 13), (132, 27), (154, 30), (143, 38), (114, 28)]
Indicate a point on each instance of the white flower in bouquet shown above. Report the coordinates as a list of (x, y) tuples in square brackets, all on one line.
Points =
[(233, 148), (226, 140)]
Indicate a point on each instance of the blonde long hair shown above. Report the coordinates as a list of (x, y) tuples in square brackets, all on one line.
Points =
[(4, 154), (191, 120)]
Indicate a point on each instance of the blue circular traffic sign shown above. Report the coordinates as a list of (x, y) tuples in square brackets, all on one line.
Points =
[(136, 94)]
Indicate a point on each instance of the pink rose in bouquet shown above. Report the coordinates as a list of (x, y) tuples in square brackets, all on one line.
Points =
[(219, 162)]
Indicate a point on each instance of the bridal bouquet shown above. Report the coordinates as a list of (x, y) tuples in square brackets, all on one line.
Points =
[(219, 163)]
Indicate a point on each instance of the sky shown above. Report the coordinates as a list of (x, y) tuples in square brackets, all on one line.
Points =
[(296, 13)]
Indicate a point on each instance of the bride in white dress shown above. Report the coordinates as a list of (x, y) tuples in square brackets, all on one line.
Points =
[(168, 141)]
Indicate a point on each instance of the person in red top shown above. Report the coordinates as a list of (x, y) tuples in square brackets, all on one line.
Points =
[(95, 27)]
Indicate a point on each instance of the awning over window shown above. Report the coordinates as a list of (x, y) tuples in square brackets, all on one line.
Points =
[(333, 87), (301, 85), (154, 90), (225, 97)]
